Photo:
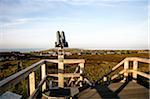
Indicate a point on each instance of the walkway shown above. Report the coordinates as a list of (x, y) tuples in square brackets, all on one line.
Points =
[(127, 90)]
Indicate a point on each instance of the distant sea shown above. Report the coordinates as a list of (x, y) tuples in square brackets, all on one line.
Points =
[(40, 49), (22, 49)]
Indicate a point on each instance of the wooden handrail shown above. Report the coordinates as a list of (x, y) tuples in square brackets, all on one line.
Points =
[(132, 71), (116, 75), (17, 77), (21, 75), (144, 60), (118, 65), (66, 75), (140, 73), (66, 61)]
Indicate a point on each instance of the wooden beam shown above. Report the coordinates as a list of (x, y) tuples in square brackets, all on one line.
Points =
[(60, 71), (67, 75), (66, 61), (72, 75), (126, 67), (118, 65), (52, 60), (81, 72), (43, 74), (31, 82), (52, 75), (145, 60), (140, 73), (135, 67), (73, 61), (116, 75)]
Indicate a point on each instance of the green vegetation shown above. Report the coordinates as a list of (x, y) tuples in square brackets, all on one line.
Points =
[(98, 65)]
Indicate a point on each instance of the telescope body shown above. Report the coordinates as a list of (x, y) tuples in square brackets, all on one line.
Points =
[(61, 40)]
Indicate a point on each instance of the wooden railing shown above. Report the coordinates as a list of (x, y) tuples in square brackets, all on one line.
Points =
[(30, 72), (21, 75), (126, 70)]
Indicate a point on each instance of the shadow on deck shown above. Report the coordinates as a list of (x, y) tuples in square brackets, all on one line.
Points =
[(119, 90)]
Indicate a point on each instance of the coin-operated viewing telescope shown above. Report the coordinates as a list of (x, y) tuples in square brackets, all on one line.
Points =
[(61, 40)]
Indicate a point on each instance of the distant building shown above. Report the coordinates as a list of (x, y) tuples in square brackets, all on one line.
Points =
[(68, 53), (143, 51), (110, 52), (118, 52), (79, 53), (94, 53), (7, 56)]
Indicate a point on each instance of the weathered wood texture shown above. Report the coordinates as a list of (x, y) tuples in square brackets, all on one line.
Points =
[(119, 90)]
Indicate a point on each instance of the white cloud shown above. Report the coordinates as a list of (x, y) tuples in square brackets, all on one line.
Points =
[(15, 22)]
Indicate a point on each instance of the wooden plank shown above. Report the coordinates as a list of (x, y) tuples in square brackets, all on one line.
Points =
[(73, 61), (116, 75), (131, 59), (140, 73), (66, 61), (118, 65), (52, 60), (81, 72), (43, 74), (72, 75), (144, 60), (130, 91), (52, 75), (31, 82), (66, 75), (61, 69), (135, 67)]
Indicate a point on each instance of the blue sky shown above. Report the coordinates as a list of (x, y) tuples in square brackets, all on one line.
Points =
[(102, 24)]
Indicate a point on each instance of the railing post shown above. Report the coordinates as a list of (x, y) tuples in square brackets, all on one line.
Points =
[(81, 72), (135, 67), (61, 68), (19, 67), (31, 82), (43, 74), (126, 67)]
